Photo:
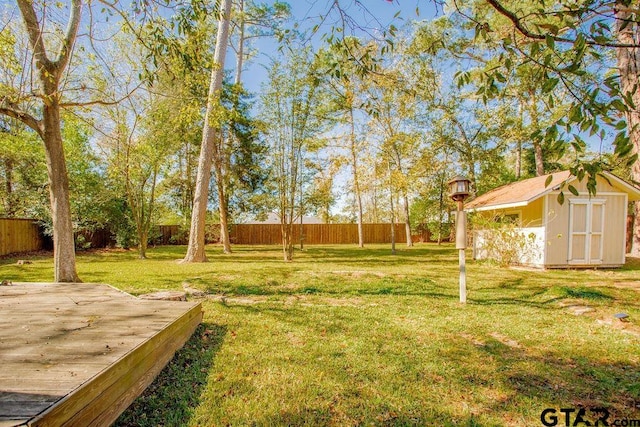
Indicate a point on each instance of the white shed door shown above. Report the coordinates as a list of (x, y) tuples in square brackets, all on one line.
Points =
[(586, 224)]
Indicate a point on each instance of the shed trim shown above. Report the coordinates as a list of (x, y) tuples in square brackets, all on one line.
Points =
[(502, 206), (599, 193), (624, 184), (624, 241), (545, 224)]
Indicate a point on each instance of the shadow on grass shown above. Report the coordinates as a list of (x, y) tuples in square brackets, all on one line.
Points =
[(585, 293), (173, 396), (342, 255), (532, 298), (584, 380), (410, 288), (383, 416), (631, 264)]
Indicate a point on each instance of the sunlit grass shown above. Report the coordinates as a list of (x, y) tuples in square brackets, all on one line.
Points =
[(348, 336)]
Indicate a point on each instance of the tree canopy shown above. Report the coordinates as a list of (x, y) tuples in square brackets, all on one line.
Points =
[(361, 116)]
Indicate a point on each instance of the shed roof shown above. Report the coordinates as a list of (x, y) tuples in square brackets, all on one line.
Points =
[(523, 192)]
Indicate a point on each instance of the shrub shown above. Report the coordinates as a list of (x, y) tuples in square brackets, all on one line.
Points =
[(504, 241)]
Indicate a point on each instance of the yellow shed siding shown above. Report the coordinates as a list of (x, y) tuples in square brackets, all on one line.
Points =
[(556, 219), (532, 214)]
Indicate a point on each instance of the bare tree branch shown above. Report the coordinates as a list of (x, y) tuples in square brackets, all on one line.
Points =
[(102, 102), (24, 117), (70, 35), (34, 32)]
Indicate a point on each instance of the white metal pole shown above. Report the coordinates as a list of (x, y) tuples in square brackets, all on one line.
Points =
[(463, 276), (461, 244)]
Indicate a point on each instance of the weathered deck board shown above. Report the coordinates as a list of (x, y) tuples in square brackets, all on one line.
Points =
[(79, 354)]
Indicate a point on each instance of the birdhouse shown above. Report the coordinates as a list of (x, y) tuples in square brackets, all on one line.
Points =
[(459, 188)]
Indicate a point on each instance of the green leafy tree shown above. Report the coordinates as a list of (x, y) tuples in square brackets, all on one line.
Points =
[(245, 155), (589, 49), (23, 189), (292, 124), (393, 107), (49, 55), (344, 85)]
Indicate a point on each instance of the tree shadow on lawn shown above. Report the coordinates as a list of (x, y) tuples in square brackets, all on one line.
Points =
[(499, 383), (424, 287), (383, 288), (382, 256), (581, 380), (385, 415), (173, 396), (343, 254)]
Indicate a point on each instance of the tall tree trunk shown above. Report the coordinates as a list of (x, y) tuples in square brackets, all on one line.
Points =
[(441, 206), (64, 252), (629, 67), (374, 202), (356, 177), (301, 215), (223, 209), (290, 211), (50, 72), (240, 58), (538, 155), (518, 166), (143, 244), (286, 228), (195, 250), (145, 216), (407, 219), (221, 173), (537, 147), (221, 156), (393, 214)]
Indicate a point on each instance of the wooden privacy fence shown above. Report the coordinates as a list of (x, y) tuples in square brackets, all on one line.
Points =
[(316, 234), (19, 235)]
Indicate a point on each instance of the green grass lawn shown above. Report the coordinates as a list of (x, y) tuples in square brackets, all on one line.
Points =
[(347, 336)]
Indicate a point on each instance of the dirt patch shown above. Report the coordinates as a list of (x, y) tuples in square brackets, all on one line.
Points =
[(577, 309), (224, 299), (475, 340), (308, 300), (359, 273), (191, 291), (295, 340), (304, 300), (624, 326), (505, 340), (525, 268), (341, 302), (633, 285)]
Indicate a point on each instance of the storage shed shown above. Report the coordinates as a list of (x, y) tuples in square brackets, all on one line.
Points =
[(584, 231)]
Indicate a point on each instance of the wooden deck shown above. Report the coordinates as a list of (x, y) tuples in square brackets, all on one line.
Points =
[(79, 354)]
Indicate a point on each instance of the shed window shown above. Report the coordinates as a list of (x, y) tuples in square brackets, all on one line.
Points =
[(509, 218)]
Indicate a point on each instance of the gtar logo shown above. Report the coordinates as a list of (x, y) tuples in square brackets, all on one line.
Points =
[(571, 417)]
